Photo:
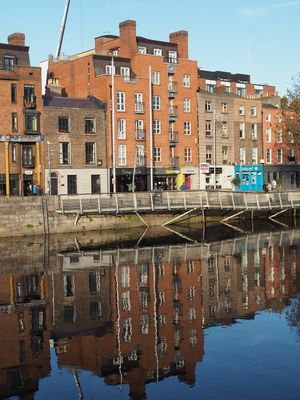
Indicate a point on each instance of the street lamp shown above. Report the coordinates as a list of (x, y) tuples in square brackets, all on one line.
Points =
[(49, 167)]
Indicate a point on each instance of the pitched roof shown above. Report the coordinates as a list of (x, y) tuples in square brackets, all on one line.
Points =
[(73, 102)]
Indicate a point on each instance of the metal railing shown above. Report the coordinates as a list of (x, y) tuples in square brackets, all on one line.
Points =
[(178, 200), (140, 134)]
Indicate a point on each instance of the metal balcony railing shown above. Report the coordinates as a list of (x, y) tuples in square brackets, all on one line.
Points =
[(173, 112), (172, 88), (30, 103), (139, 107), (174, 161), (173, 137), (141, 161)]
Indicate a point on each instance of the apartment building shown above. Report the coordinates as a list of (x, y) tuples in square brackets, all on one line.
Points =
[(21, 133), (150, 87), (280, 150), (230, 130), (75, 140)]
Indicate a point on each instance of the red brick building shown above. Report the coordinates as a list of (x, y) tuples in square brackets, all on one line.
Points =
[(21, 140), (151, 86)]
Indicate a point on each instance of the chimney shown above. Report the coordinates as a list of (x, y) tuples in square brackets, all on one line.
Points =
[(17, 39), (181, 38), (127, 38)]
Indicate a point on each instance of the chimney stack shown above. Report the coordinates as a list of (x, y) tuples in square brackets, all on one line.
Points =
[(181, 39), (127, 38), (17, 39)]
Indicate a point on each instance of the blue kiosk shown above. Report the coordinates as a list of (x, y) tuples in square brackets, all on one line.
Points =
[(251, 177)]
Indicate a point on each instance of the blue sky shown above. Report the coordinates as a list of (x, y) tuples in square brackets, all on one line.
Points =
[(257, 36)]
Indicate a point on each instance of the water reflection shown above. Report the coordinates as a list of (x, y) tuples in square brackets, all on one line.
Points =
[(134, 315)]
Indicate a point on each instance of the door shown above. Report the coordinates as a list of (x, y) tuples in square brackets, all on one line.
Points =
[(54, 184)]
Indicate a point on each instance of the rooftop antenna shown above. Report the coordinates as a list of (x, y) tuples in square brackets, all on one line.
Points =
[(62, 29)]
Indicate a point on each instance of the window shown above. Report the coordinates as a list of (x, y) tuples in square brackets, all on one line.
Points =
[(187, 128), (291, 155), (156, 126), (122, 154), (242, 155), (72, 184), (254, 155), (155, 78), (13, 93), (95, 184), (29, 97), (32, 122), (64, 153), (156, 103), (95, 310), (90, 153), (121, 128), (14, 122), (139, 129), (140, 155), (116, 52), (254, 131), (138, 103), (279, 136), (126, 305), (208, 154), (120, 101), (268, 135), (224, 154), (269, 156), (14, 152), (172, 56), (27, 156), (290, 137), (157, 154), (63, 124), (253, 111), (210, 88), (279, 156), (187, 105), (242, 110), (268, 117), (90, 125), (157, 52), (187, 154), (240, 91), (224, 108), (208, 106), (125, 72), (142, 50), (208, 131), (242, 130), (125, 276), (9, 63), (109, 69), (186, 81), (224, 131)]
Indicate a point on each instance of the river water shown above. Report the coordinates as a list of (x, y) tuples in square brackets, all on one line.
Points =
[(151, 315)]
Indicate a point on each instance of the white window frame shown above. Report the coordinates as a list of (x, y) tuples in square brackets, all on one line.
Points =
[(254, 131), (122, 155), (120, 101), (241, 110), (142, 50), (121, 128), (157, 154), (186, 81), (61, 153), (208, 127), (242, 130), (109, 69), (268, 117), (279, 155), (279, 136), (155, 77), (269, 155), (224, 129), (254, 155), (225, 108), (208, 106), (242, 155), (186, 105), (157, 52), (253, 111), (268, 135), (172, 56), (187, 128), (125, 72), (156, 126), (156, 103), (188, 154)]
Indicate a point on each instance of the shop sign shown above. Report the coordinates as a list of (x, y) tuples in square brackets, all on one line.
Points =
[(219, 170), (129, 171), (21, 138), (204, 168), (28, 172)]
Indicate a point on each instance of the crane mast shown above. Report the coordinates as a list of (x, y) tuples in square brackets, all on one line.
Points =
[(62, 29)]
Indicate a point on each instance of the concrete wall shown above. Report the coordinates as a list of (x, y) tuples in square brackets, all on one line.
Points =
[(23, 216)]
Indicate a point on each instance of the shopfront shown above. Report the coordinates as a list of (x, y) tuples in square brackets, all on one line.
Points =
[(126, 176), (165, 178), (251, 177)]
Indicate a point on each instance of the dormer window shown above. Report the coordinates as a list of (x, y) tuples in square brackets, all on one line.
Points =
[(9, 63), (157, 52), (142, 50), (116, 52), (109, 69)]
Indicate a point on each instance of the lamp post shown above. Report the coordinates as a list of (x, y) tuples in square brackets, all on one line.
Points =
[(49, 166)]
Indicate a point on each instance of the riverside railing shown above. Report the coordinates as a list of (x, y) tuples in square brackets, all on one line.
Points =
[(160, 201)]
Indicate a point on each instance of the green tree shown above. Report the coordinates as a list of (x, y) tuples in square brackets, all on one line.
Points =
[(290, 110)]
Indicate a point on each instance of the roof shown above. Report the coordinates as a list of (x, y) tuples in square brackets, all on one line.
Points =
[(73, 102)]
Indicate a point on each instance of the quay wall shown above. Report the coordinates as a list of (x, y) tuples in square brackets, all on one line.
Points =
[(37, 215)]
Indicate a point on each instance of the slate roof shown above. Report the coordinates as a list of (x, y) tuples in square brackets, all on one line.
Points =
[(73, 102)]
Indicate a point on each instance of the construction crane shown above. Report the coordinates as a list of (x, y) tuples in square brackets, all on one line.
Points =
[(62, 29)]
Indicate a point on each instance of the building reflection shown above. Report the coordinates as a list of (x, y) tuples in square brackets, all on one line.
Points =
[(135, 316)]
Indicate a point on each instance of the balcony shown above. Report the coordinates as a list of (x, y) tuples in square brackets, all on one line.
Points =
[(32, 122), (174, 161), (141, 161), (173, 113), (172, 88), (29, 103), (139, 108), (28, 162), (173, 138), (140, 134), (172, 61)]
